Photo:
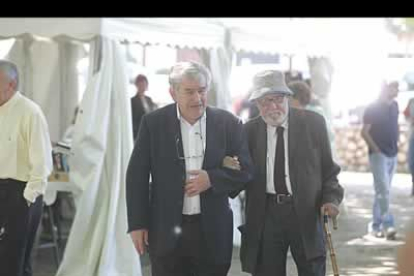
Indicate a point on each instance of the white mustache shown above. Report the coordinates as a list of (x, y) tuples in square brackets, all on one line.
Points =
[(197, 104)]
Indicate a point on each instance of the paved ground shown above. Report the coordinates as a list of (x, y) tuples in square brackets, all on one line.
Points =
[(357, 253)]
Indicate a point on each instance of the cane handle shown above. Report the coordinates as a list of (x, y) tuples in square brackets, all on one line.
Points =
[(334, 223)]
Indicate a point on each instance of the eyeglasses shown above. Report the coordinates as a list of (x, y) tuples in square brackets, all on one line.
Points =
[(178, 143), (267, 101)]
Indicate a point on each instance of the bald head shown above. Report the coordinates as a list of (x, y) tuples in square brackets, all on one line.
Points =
[(9, 80)]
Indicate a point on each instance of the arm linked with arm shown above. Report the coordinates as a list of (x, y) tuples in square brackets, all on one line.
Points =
[(230, 181)]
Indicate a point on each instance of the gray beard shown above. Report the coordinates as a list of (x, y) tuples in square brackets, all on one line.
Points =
[(275, 122)]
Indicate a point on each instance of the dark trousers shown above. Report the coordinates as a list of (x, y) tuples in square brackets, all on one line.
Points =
[(187, 258), (281, 231), (18, 225)]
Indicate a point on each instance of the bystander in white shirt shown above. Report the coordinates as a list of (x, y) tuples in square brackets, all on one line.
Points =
[(25, 146)]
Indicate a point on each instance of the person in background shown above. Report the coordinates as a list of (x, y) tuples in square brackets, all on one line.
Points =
[(303, 99), (301, 94), (140, 103), (380, 131), (246, 105), (26, 163)]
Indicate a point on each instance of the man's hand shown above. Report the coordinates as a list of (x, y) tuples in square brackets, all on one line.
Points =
[(140, 239), (368, 138), (231, 163), (198, 182), (330, 209)]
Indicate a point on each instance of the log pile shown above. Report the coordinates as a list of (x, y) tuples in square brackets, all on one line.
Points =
[(351, 151)]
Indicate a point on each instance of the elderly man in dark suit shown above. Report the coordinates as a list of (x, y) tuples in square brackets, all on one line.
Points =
[(185, 218), (294, 181)]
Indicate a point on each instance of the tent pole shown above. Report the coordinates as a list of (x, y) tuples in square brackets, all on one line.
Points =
[(144, 53)]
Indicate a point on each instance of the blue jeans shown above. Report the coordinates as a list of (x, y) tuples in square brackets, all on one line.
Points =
[(382, 168)]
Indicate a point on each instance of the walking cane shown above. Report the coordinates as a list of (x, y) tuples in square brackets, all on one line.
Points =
[(330, 245)]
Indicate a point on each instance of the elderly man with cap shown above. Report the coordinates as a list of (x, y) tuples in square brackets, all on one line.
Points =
[(294, 182)]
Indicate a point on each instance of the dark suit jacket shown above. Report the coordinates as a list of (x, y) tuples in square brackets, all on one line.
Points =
[(159, 209), (138, 111), (313, 176)]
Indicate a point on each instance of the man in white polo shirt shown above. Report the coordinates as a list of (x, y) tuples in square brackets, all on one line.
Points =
[(25, 164)]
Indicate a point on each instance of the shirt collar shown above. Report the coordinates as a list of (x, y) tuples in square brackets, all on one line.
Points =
[(11, 101), (272, 129)]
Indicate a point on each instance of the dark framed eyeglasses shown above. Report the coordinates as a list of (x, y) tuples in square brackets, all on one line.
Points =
[(178, 143), (274, 99)]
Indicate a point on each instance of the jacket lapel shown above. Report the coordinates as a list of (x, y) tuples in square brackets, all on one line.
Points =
[(209, 136), (295, 127), (261, 147), (174, 131)]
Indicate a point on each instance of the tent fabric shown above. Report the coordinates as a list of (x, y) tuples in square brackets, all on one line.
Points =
[(48, 76), (76, 28), (40, 80), (266, 35), (98, 243), (310, 36), (69, 55), (220, 65), (176, 32), (263, 35), (316, 37)]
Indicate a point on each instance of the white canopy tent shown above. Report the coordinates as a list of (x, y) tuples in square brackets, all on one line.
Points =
[(31, 52), (324, 41), (98, 243), (319, 38), (190, 32)]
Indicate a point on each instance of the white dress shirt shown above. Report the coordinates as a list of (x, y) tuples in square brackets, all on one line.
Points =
[(271, 145), (25, 147), (194, 144)]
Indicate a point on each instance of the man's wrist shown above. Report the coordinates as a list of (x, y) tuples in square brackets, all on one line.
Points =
[(29, 195)]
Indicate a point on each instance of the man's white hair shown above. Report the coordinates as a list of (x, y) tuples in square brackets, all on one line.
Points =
[(190, 69), (10, 70)]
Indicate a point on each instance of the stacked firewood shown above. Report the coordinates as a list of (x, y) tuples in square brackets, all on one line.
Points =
[(351, 151)]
